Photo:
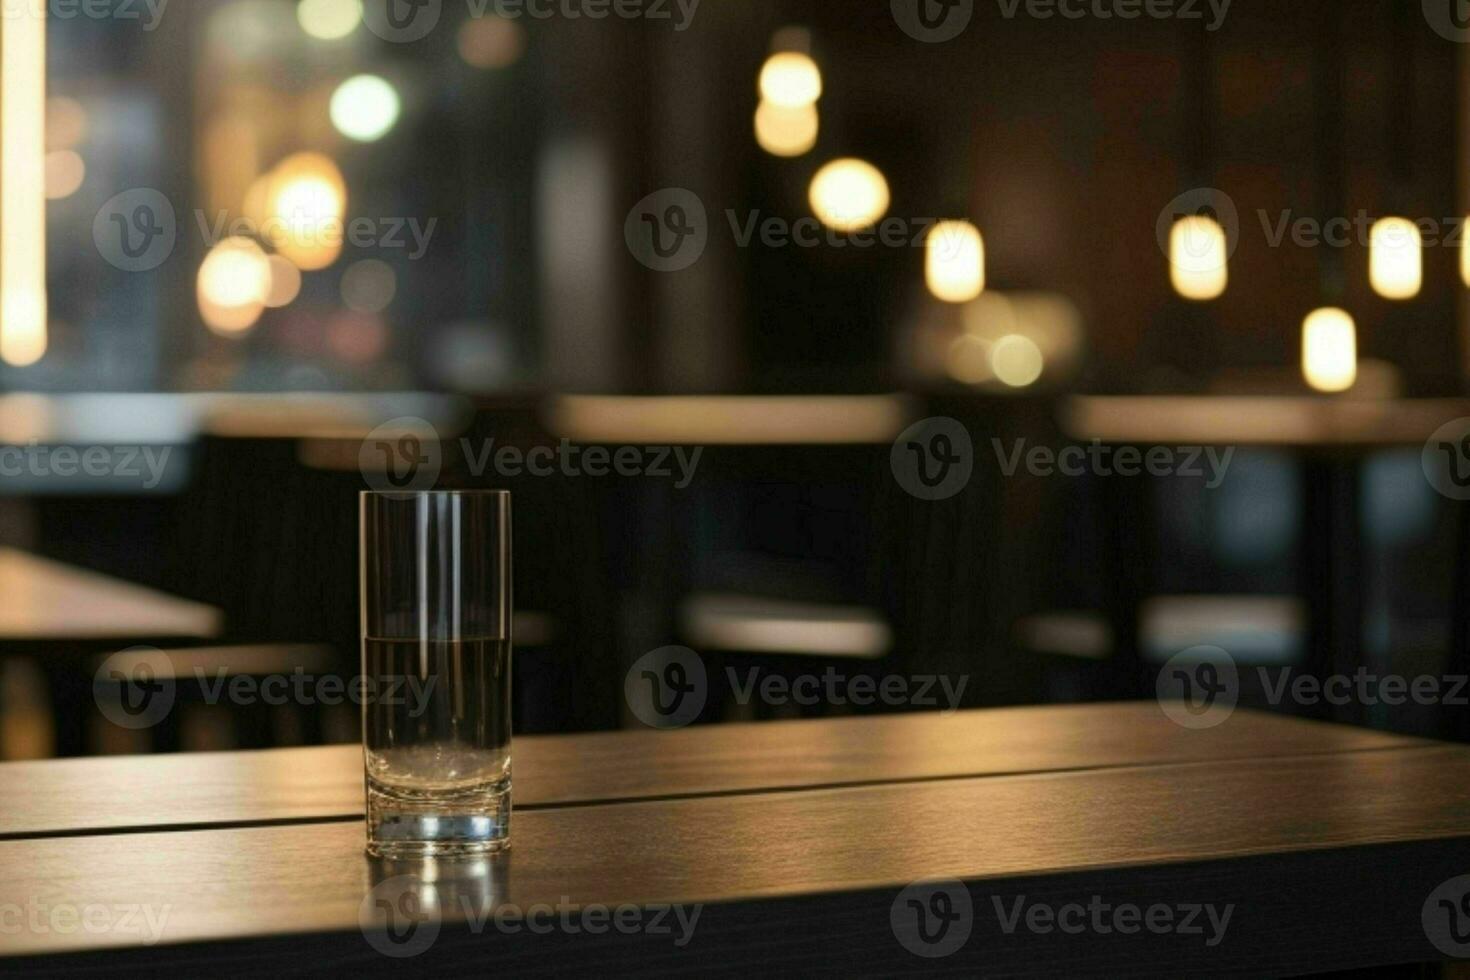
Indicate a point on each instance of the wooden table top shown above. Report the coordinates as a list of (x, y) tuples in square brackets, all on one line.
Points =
[(796, 838), (1219, 420), (45, 600)]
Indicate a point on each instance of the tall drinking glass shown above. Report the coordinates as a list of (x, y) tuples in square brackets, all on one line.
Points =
[(436, 646)]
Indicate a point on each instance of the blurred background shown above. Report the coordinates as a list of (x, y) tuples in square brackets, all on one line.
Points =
[(287, 247)]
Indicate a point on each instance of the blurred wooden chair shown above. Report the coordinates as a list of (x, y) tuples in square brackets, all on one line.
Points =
[(746, 638), (204, 715)]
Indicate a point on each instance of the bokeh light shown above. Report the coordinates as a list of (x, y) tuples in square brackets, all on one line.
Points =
[(954, 263), (65, 172), (968, 360), (329, 20), (491, 42), (1017, 361), (234, 283), (305, 204), (66, 123), (791, 79), (849, 195), (1199, 264), (365, 108), (285, 282), (1330, 350), (1396, 259), (786, 131), (369, 286)]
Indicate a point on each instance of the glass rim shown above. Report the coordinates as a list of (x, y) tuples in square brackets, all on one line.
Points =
[(433, 493)]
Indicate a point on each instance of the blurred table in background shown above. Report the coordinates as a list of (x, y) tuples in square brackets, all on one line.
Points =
[(1332, 436), (1306, 422), (59, 617), (50, 602)]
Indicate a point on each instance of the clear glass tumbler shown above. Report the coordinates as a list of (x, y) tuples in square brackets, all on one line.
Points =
[(436, 654)]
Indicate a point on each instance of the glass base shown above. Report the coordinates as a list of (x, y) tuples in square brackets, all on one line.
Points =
[(460, 824)]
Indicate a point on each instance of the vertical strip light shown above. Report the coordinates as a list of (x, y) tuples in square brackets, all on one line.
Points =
[(23, 185)]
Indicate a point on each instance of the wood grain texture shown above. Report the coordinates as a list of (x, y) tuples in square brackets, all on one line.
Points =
[(1398, 822), (45, 600), (78, 795)]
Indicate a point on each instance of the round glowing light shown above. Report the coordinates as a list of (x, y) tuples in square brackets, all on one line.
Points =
[(954, 264), (357, 338), (1199, 264), (305, 203), (65, 171), (365, 108), (66, 123), (1017, 361), (491, 42), (1330, 350), (790, 78), (234, 283), (329, 20), (285, 282), (849, 195), (786, 131), (968, 360), (369, 286), (1396, 259)]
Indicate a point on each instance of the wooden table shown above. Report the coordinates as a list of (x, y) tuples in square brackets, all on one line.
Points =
[(796, 837), (60, 616), (1332, 436), (47, 601)]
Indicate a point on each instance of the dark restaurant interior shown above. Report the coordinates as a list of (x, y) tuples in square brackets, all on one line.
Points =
[(916, 486)]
